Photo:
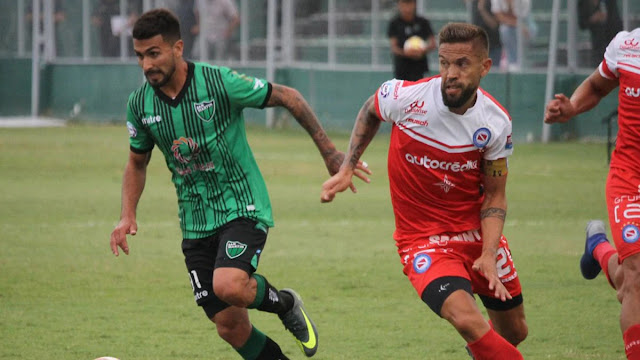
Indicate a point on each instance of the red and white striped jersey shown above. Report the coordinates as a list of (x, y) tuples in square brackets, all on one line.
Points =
[(622, 62), (435, 156)]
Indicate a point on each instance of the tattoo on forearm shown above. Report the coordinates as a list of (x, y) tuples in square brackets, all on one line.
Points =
[(365, 129), (493, 212), (302, 112)]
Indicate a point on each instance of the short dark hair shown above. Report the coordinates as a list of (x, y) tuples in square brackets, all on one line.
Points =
[(157, 22), (462, 33)]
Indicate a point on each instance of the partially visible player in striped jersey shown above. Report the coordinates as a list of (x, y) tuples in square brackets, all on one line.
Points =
[(193, 113), (447, 171), (620, 68)]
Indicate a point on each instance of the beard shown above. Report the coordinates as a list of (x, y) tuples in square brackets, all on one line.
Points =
[(163, 80), (456, 101)]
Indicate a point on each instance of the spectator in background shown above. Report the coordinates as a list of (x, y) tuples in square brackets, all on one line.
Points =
[(482, 16), (187, 14), (508, 13), (222, 19), (603, 20), (59, 19), (109, 44), (409, 63), (110, 23)]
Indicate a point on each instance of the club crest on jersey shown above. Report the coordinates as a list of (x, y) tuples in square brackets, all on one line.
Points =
[(235, 249), (630, 234), (481, 137), (421, 263), (205, 110)]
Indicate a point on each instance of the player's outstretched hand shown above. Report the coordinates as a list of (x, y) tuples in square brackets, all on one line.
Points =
[(559, 110), (486, 265), (119, 235), (337, 183), (334, 161)]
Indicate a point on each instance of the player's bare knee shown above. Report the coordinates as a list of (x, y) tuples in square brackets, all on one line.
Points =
[(438, 296), (232, 327), (523, 332), (233, 332), (225, 332), (231, 287), (228, 332), (231, 293), (469, 324), (630, 278), (517, 333)]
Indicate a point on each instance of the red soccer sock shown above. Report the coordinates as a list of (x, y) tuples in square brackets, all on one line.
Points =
[(602, 253), (492, 346), (632, 342)]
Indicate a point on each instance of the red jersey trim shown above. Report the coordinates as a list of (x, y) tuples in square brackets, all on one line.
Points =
[(403, 128), (406, 83), (628, 65), (495, 102), (377, 104), (606, 71)]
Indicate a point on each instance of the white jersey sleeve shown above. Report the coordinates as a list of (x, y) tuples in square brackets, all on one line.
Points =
[(386, 100), (500, 145), (609, 66)]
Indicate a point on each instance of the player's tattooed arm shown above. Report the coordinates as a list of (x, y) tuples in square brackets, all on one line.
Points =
[(494, 183), (495, 168), (292, 100), (492, 215), (493, 212), (366, 127)]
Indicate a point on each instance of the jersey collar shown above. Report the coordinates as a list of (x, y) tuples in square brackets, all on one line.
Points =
[(175, 102)]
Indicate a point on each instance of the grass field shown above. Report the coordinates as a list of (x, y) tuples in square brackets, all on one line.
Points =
[(63, 295)]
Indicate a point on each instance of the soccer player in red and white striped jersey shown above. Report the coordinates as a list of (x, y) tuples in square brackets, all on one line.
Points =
[(448, 170), (620, 69)]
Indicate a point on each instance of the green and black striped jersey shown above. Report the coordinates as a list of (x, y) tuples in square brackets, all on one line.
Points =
[(202, 136)]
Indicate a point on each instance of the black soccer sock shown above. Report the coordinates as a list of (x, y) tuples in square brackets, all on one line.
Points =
[(269, 299), (271, 351), (260, 347)]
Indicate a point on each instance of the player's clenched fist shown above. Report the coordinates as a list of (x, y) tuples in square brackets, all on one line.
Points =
[(560, 109)]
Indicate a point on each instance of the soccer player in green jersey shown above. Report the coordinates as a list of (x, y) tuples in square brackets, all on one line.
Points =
[(193, 113)]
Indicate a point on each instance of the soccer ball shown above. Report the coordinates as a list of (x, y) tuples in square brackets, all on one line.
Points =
[(415, 43), (106, 358)]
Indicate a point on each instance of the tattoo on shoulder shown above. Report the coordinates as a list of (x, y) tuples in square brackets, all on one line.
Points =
[(493, 212)]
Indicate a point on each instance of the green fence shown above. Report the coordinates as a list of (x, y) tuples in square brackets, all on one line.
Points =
[(101, 92)]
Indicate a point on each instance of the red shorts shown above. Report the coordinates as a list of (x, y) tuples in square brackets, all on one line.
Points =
[(453, 254), (623, 203)]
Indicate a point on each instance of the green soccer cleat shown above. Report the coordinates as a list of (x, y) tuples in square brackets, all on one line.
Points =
[(298, 323)]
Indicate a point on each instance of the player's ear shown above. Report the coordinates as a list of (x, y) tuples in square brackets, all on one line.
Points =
[(486, 65), (178, 48)]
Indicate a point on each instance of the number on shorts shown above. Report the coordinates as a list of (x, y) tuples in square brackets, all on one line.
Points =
[(193, 277), (501, 261)]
